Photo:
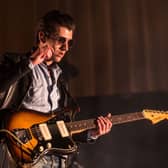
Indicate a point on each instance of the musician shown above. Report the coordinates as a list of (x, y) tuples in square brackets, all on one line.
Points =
[(36, 82)]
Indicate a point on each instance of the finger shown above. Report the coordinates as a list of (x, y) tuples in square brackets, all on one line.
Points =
[(51, 48), (103, 126), (109, 115), (106, 121), (106, 124), (48, 53), (99, 130)]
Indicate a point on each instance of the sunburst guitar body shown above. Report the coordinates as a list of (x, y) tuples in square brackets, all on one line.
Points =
[(30, 134)]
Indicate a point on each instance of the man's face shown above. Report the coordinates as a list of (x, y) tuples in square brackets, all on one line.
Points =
[(60, 43)]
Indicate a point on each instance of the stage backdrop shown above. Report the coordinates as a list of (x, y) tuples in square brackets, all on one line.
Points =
[(120, 45)]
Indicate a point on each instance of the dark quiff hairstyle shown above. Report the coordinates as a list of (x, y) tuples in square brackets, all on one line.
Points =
[(51, 22)]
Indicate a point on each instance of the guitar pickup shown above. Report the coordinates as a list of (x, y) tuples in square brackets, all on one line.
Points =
[(22, 134), (62, 128)]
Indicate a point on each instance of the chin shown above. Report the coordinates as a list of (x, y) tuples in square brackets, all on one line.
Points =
[(58, 59)]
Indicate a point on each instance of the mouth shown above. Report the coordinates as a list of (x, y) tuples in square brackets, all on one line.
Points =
[(60, 55)]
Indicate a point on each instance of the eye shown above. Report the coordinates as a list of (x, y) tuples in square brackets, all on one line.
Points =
[(61, 40)]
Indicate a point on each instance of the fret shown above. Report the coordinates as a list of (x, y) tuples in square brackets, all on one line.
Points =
[(81, 125), (124, 118)]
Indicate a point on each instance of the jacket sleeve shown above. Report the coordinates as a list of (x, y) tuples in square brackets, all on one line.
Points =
[(83, 138), (12, 68)]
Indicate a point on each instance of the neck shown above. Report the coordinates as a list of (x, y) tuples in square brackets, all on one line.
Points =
[(48, 63)]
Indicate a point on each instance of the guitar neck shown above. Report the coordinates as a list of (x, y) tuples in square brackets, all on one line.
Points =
[(125, 118), (83, 125)]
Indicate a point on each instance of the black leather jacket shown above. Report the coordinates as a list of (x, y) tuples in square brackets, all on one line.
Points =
[(14, 71)]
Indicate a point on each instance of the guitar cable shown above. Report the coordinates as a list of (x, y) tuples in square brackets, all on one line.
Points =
[(46, 151), (17, 140)]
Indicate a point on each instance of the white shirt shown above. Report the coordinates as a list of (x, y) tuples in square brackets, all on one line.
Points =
[(43, 94)]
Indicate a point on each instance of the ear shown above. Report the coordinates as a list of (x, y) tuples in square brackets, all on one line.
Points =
[(42, 37)]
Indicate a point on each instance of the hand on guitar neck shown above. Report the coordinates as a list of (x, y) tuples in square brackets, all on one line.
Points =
[(104, 125)]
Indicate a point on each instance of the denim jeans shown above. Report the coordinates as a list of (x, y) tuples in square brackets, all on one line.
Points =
[(47, 161), (6, 160)]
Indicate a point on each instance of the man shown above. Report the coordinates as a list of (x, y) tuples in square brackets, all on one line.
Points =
[(35, 81)]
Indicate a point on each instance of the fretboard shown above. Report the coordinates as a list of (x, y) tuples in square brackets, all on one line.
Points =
[(79, 126), (129, 117)]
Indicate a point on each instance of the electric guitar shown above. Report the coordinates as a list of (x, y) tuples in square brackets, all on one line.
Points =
[(31, 134)]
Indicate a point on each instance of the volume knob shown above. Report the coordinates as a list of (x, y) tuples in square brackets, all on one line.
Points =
[(49, 145), (41, 148)]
